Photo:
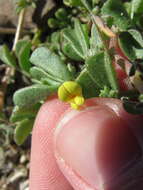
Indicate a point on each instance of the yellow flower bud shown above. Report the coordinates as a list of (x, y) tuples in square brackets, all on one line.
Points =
[(79, 100), (71, 92), (74, 106)]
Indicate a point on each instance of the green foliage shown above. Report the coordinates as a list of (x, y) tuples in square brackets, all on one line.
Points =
[(31, 95), (108, 93), (20, 113), (72, 2), (96, 44), (75, 49), (40, 75), (61, 14), (82, 37), (78, 41), (22, 4), (116, 10), (131, 44), (98, 73), (22, 130), (6, 56), (137, 36), (136, 7), (96, 67), (23, 48), (51, 63), (87, 4)]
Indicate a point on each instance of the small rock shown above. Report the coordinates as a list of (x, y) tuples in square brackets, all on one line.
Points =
[(23, 159)]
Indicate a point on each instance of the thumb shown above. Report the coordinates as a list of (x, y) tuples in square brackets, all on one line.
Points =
[(96, 148)]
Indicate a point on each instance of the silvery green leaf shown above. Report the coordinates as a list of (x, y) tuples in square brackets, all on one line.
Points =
[(51, 63), (28, 96), (40, 75), (23, 48), (71, 37), (19, 114), (116, 10), (6, 56), (22, 130)]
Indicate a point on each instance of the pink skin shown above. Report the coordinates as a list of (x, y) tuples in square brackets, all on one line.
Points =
[(87, 149)]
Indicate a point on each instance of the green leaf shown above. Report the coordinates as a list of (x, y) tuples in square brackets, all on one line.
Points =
[(96, 69), (96, 43), (82, 36), (72, 2), (78, 39), (87, 4), (139, 53), (89, 86), (137, 36), (6, 56), (108, 93), (101, 69), (136, 7), (40, 75), (97, 74), (51, 63), (71, 37), (130, 47), (23, 49), (68, 50), (31, 95), (23, 129), (116, 10), (19, 114)]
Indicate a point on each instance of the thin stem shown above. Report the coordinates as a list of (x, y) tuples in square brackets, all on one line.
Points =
[(19, 28), (10, 71)]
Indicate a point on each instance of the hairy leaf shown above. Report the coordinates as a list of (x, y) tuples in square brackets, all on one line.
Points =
[(101, 70), (19, 114), (82, 37), (71, 37), (70, 52), (137, 36), (6, 56), (96, 44), (23, 48), (40, 75), (130, 46), (22, 130), (31, 95), (89, 86), (116, 10), (51, 63)]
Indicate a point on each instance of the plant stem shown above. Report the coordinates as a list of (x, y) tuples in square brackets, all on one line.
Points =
[(10, 71), (19, 28)]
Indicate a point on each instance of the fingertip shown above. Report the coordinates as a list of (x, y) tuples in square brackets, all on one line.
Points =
[(44, 172)]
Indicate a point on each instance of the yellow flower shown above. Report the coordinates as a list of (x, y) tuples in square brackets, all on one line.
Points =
[(71, 92)]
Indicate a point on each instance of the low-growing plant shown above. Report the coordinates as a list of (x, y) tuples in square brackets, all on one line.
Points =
[(85, 39)]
